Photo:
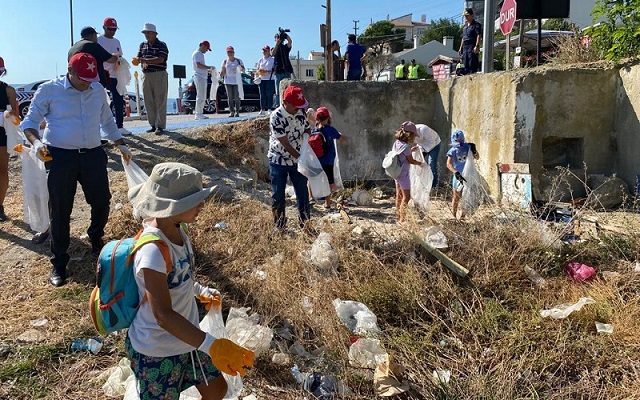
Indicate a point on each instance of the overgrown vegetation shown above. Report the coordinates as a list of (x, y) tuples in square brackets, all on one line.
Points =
[(485, 329), (618, 35)]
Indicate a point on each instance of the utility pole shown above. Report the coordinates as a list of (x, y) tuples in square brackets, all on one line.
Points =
[(71, 19), (329, 52), (487, 35), (355, 27)]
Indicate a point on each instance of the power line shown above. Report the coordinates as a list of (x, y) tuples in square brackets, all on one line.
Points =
[(355, 27)]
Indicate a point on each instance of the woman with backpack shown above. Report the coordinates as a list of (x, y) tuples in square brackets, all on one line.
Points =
[(322, 142), (230, 71), (403, 146), (168, 351)]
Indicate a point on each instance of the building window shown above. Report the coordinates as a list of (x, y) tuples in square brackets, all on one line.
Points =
[(310, 73)]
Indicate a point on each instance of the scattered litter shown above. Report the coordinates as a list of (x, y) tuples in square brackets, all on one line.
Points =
[(322, 256), (5, 349), (637, 267), (31, 336), (604, 328), (90, 344), (290, 192), (358, 230), (297, 349), (444, 259), (281, 359), (220, 225), (307, 305), (441, 376), (119, 377), (323, 387), (571, 238), (377, 193), (386, 379), (362, 198), (230, 251), (118, 206), (451, 341), (579, 272), (563, 310), (357, 317), (245, 331), (39, 322), (249, 397), (260, 275), (535, 277), (435, 237), (367, 353)]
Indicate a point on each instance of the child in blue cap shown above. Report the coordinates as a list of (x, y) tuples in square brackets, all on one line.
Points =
[(456, 159)]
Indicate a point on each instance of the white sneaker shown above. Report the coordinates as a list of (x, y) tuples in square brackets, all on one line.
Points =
[(200, 116), (261, 113), (125, 132)]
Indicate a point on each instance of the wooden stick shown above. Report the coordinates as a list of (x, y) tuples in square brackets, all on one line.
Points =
[(444, 259)]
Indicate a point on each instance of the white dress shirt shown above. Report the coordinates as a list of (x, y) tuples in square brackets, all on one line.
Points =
[(74, 117), (427, 137)]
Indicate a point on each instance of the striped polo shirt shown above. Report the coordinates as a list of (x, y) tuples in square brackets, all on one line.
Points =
[(157, 49)]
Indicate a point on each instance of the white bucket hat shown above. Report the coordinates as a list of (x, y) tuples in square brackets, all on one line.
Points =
[(148, 27), (172, 189)]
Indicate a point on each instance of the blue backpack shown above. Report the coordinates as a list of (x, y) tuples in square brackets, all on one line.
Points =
[(114, 301)]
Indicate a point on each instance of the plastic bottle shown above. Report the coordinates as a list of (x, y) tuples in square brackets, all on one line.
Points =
[(91, 345), (535, 277)]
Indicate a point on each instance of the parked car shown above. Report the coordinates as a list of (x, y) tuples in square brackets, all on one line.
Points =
[(250, 103), (132, 103), (24, 94)]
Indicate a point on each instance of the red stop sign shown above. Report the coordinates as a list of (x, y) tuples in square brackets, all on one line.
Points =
[(507, 16)]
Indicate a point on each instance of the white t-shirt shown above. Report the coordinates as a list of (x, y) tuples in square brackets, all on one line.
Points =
[(198, 57), (266, 64), (112, 45), (231, 70), (147, 337), (427, 137)]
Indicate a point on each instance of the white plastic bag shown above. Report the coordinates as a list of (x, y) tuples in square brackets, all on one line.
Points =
[(245, 330), (357, 317), (421, 179), (563, 310), (135, 175), (14, 136), (240, 84), (337, 178), (367, 353), (215, 81), (472, 188), (35, 194), (123, 75), (309, 166), (435, 237), (214, 324), (116, 384), (322, 255)]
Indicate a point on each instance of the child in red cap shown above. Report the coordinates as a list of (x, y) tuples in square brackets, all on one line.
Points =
[(328, 157)]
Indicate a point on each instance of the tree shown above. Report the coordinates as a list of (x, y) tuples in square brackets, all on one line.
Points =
[(440, 28), (618, 36), (380, 33), (320, 72), (378, 63), (559, 24)]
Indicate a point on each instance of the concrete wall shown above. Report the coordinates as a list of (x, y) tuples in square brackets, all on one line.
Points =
[(507, 114)]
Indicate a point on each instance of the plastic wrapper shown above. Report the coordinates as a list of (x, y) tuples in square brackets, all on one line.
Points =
[(14, 136), (564, 310), (322, 255), (135, 175), (367, 353), (421, 179), (337, 178), (357, 317), (246, 331)]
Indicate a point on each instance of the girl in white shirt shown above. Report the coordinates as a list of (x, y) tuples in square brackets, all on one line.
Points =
[(229, 71)]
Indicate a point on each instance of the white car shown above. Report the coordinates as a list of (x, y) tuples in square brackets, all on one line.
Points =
[(25, 93)]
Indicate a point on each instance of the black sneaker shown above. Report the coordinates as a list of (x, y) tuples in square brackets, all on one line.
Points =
[(152, 129), (57, 278), (40, 237), (159, 131), (3, 216)]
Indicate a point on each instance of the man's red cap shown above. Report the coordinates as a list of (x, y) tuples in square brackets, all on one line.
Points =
[(111, 23), (230, 48), (206, 44), (1, 62), (85, 66), (295, 96)]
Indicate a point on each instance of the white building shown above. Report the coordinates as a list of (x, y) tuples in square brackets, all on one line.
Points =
[(423, 55)]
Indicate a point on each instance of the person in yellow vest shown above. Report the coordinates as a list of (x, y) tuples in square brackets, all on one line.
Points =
[(413, 70), (401, 71)]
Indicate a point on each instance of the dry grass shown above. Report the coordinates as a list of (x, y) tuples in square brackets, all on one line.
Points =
[(485, 329)]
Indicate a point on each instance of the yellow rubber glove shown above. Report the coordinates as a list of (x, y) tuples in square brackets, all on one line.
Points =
[(227, 356), (207, 296)]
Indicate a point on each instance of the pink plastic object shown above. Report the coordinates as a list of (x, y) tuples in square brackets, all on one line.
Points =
[(579, 272)]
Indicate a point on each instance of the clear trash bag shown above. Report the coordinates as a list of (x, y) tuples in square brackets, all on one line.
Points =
[(421, 179), (309, 166), (35, 193), (472, 192)]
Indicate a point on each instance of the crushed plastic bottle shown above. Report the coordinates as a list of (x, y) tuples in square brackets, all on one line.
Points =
[(535, 277), (220, 225), (91, 345)]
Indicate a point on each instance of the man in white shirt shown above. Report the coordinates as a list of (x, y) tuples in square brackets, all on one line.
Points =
[(429, 140), (201, 71), (113, 46)]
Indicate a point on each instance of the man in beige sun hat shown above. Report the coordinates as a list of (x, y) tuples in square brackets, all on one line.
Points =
[(166, 326)]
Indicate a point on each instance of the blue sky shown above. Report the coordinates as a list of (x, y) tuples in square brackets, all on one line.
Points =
[(36, 34)]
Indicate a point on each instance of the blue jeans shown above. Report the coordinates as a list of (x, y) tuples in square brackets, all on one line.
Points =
[(118, 102), (432, 159), (354, 74), (279, 175), (279, 77), (267, 88)]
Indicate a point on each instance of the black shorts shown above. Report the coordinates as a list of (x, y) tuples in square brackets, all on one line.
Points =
[(328, 169), (3, 136)]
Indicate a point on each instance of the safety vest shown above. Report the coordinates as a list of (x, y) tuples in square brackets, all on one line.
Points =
[(400, 71), (413, 71)]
